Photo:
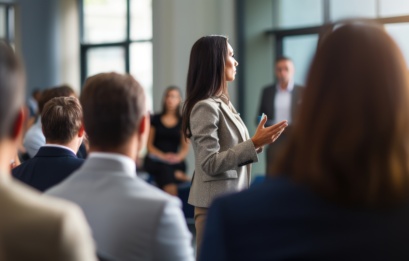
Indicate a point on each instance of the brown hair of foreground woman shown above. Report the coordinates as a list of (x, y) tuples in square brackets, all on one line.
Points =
[(350, 142)]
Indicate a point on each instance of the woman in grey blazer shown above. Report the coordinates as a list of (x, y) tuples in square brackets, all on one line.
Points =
[(221, 143)]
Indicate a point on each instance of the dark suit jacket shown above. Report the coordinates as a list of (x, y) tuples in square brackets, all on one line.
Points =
[(49, 167), (280, 220), (267, 102)]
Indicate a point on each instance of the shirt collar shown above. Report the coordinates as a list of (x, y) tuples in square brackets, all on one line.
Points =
[(59, 146), (290, 86), (126, 161)]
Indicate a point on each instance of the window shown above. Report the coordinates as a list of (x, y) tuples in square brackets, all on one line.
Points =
[(400, 33), (7, 23), (301, 57), (297, 25), (116, 36), (296, 13)]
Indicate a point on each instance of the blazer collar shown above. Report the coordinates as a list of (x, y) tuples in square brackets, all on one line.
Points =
[(229, 114), (54, 152)]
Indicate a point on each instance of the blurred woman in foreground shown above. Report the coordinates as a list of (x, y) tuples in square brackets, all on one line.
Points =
[(340, 189)]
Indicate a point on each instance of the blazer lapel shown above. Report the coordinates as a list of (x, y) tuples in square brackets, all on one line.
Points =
[(229, 114)]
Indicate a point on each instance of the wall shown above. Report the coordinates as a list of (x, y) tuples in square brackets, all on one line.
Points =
[(39, 41), (48, 42)]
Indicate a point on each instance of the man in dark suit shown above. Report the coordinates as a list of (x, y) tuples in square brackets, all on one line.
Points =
[(279, 101), (61, 121)]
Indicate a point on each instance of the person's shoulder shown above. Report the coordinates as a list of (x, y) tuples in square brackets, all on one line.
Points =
[(54, 223), (269, 87), (43, 209), (147, 192), (17, 171), (211, 101), (271, 191), (155, 119), (205, 108)]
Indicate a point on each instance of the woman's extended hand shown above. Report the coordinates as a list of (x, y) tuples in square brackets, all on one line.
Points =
[(264, 136)]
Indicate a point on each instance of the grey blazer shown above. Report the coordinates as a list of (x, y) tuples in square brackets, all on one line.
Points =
[(223, 151), (130, 219)]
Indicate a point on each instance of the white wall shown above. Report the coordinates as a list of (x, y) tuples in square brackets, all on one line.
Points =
[(177, 24)]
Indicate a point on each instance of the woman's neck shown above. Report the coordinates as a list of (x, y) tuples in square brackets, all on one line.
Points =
[(170, 113)]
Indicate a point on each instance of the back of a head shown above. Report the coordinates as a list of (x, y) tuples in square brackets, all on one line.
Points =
[(350, 142), (113, 107), (11, 89), (59, 91), (206, 72), (61, 119)]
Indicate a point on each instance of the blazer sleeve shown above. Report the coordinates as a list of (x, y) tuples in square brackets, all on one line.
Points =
[(204, 125)]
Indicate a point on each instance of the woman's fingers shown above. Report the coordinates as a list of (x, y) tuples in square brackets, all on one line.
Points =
[(279, 127), (262, 121)]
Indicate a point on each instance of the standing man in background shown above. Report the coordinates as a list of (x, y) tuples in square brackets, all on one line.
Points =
[(279, 102)]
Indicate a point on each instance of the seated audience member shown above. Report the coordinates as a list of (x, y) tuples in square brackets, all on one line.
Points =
[(32, 103), (61, 121), (340, 190), (167, 148), (130, 219), (34, 137), (32, 227)]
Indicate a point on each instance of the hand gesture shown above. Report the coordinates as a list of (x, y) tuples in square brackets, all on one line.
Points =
[(264, 136)]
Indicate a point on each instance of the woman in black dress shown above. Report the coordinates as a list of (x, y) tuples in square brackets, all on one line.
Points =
[(167, 149)]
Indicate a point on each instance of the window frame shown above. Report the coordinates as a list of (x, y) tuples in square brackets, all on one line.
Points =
[(9, 25), (280, 34), (126, 44)]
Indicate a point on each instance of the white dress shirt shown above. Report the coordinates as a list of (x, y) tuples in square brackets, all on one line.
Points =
[(282, 103), (59, 146), (130, 219), (34, 138)]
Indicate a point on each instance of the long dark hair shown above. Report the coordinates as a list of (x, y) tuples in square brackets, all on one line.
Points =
[(165, 94), (205, 76), (350, 141)]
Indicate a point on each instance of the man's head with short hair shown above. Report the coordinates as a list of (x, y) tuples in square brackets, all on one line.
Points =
[(11, 90), (114, 110), (61, 120), (59, 91), (284, 70)]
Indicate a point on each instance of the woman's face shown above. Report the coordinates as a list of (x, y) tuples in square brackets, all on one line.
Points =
[(231, 64), (172, 100)]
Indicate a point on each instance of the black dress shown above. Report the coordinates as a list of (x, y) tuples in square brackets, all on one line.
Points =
[(166, 140)]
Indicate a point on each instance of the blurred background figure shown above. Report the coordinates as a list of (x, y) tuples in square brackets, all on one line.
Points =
[(167, 148), (32, 103), (279, 102), (340, 189)]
